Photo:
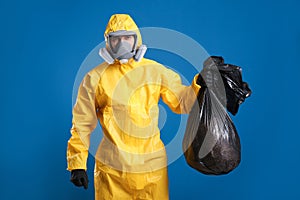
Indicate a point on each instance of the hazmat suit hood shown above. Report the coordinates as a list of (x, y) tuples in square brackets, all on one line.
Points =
[(122, 23), (119, 22)]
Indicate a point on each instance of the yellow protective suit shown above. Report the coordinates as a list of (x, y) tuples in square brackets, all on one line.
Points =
[(131, 159)]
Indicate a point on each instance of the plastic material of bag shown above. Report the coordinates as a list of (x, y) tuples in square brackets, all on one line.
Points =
[(231, 79), (211, 143)]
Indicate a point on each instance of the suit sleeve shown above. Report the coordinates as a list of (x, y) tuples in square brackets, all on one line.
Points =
[(178, 97), (83, 123)]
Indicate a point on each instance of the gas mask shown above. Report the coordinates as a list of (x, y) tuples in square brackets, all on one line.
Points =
[(122, 45)]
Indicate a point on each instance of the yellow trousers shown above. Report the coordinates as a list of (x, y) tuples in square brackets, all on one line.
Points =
[(113, 184)]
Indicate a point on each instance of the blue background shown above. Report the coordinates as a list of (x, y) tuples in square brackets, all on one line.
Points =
[(43, 44)]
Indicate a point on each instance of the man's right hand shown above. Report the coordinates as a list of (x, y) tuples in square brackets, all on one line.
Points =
[(79, 178)]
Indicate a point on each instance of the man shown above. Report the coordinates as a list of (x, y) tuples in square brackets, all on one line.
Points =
[(123, 93)]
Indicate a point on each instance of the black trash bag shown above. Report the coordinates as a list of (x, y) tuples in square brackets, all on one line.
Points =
[(219, 76), (211, 144)]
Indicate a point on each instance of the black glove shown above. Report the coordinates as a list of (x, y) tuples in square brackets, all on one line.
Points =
[(79, 178), (200, 81)]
